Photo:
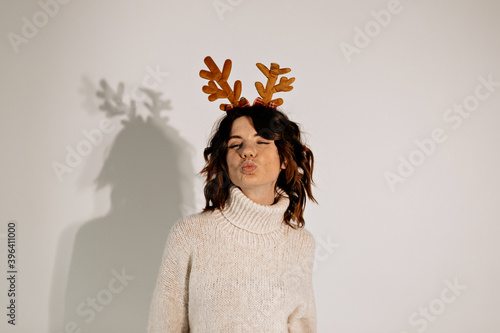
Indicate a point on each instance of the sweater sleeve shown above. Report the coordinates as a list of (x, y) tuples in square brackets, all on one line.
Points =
[(303, 318), (169, 307)]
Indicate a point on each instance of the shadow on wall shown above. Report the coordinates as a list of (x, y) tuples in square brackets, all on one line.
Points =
[(115, 258)]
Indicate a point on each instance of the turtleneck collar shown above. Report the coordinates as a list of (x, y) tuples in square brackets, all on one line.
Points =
[(246, 214)]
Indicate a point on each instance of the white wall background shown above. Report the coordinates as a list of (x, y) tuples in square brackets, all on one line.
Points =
[(383, 256)]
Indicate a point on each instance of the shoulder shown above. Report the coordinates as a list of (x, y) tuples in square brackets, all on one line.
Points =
[(193, 222), (308, 237), (303, 244), (302, 236), (189, 228), (304, 240)]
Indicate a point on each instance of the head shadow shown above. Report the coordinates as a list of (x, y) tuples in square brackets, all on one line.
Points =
[(111, 272)]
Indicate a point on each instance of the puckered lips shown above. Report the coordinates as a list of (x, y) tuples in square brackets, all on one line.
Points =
[(248, 167)]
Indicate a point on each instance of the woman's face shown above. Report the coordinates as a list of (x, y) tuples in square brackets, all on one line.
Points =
[(245, 145)]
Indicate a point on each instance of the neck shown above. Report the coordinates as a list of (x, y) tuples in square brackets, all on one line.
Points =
[(261, 196), (248, 215)]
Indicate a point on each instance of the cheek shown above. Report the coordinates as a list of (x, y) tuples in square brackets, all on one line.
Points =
[(231, 158), (274, 158)]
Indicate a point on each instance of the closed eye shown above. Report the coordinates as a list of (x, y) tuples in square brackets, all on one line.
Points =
[(264, 143)]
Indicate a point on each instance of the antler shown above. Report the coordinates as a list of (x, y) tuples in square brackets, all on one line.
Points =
[(215, 75), (272, 76), (113, 101), (157, 104)]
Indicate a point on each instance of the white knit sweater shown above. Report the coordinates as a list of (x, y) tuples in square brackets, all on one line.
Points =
[(241, 269)]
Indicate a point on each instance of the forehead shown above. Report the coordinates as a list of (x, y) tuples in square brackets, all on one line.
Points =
[(242, 125)]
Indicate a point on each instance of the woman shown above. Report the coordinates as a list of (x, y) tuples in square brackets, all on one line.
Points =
[(242, 265)]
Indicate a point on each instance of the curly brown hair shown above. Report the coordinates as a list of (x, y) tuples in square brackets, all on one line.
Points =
[(270, 124)]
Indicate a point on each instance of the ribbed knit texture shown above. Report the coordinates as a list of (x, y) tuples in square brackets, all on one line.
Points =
[(241, 269)]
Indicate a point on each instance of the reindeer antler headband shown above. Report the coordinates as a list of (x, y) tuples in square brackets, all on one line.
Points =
[(233, 95)]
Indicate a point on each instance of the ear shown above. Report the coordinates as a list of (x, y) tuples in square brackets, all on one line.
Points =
[(284, 165)]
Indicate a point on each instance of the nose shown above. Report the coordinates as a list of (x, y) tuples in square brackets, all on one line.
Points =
[(247, 150)]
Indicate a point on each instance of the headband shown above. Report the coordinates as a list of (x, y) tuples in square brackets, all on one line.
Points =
[(233, 95)]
